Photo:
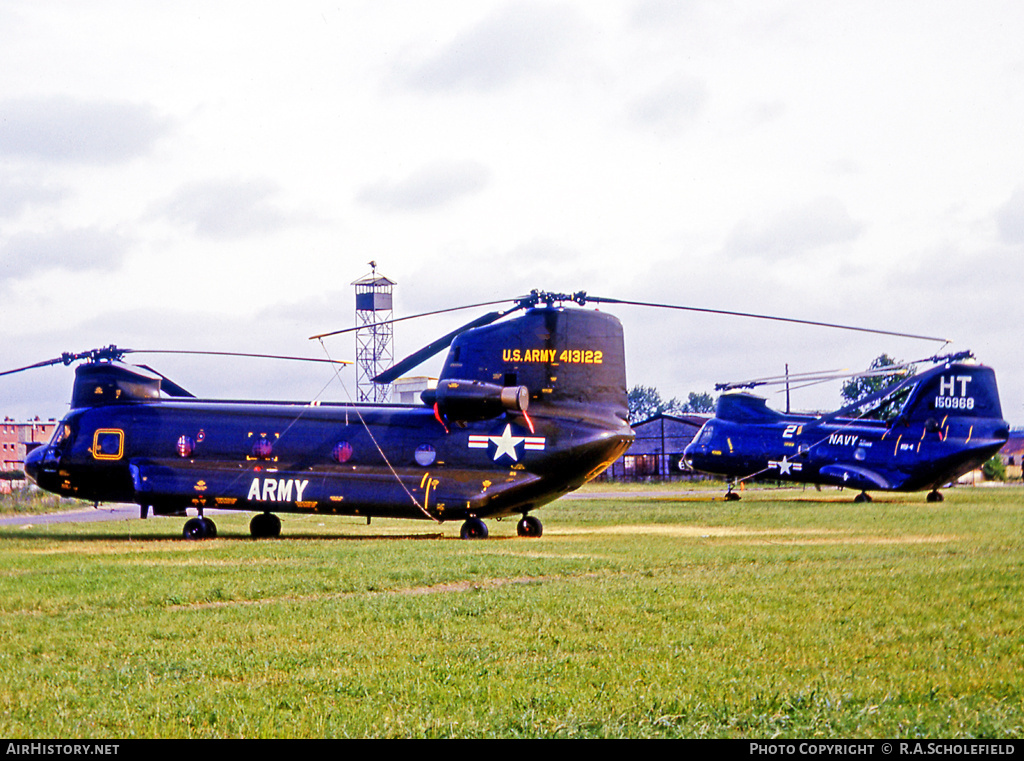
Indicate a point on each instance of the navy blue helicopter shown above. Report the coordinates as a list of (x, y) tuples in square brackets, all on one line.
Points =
[(524, 411), (949, 421)]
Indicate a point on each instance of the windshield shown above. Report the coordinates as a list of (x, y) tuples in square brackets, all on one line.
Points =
[(705, 433), (63, 433)]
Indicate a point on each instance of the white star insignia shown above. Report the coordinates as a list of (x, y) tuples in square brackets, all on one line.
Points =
[(507, 443), (785, 466)]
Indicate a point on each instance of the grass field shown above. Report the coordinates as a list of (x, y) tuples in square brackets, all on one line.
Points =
[(22, 501), (790, 613)]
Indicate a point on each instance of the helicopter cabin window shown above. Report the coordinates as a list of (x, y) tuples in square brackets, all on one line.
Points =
[(108, 444)]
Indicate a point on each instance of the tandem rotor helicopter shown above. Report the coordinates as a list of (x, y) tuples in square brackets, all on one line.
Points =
[(948, 423), (525, 410)]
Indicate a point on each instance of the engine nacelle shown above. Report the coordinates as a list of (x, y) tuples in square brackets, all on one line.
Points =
[(475, 400), (99, 383)]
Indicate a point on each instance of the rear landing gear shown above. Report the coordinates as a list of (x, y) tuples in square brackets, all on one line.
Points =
[(265, 526), (199, 528), (530, 527), (862, 497), (474, 528), (935, 496)]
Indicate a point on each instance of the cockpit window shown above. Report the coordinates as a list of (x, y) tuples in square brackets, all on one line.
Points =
[(62, 434), (705, 434), (902, 399)]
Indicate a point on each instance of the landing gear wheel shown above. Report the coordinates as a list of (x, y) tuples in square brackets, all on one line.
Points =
[(474, 528), (862, 497), (265, 525), (732, 496), (211, 528), (199, 528), (935, 496), (529, 526)]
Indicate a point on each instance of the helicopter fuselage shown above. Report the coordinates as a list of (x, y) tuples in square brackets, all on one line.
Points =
[(395, 461), (523, 412), (951, 423)]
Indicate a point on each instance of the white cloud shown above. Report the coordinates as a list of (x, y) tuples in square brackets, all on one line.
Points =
[(16, 195), (1010, 219), (429, 187), (794, 232), (84, 250), (518, 40), (672, 106), (61, 129), (229, 209)]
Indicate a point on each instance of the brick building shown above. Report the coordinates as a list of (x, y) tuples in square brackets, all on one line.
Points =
[(19, 438)]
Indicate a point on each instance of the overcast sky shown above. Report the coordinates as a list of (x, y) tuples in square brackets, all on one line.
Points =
[(214, 175)]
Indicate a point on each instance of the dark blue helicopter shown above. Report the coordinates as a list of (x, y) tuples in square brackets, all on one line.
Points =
[(949, 422), (524, 411)]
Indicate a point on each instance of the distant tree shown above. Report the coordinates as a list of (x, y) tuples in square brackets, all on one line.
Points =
[(994, 468), (645, 402), (700, 403), (856, 389)]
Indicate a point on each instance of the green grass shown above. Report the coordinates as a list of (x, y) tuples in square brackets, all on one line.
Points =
[(652, 615), (32, 501)]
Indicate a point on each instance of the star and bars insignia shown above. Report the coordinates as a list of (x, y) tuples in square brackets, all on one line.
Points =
[(507, 444)]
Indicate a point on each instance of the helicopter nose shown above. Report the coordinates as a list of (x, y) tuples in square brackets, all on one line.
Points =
[(692, 454), (33, 463)]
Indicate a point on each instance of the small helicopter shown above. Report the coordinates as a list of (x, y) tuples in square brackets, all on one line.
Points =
[(524, 411), (949, 422)]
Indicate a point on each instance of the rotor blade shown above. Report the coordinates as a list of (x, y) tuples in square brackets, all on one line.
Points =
[(823, 379), (238, 354), (45, 363), (889, 391), (772, 380), (442, 343), (107, 352), (114, 353), (410, 317), (870, 399), (813, 378), (822, 376), (601, 299)]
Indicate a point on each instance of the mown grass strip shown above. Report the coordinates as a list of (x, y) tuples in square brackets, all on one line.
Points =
[(775, 616)]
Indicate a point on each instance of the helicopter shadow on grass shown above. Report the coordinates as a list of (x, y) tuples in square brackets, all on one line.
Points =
[(45, 526), (33, 532)]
